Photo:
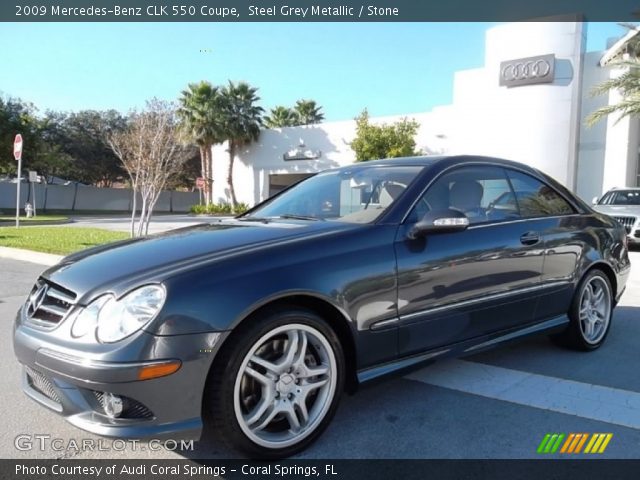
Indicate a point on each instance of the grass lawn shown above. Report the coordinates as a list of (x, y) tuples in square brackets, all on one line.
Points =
[(60, 240), (39, 218)]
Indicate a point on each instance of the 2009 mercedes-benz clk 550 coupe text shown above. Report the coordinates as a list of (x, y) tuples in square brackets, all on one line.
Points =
[(254, 326)]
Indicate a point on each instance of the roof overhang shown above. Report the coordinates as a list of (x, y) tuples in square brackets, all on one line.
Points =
[(618, 48)]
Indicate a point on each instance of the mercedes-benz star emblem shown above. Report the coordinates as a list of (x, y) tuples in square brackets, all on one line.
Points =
[(36, 299)]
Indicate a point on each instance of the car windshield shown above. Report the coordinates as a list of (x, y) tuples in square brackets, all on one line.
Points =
[(356, 195), (621, 197)]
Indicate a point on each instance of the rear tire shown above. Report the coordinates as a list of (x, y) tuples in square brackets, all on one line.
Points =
[(276, 385), (590, 314)]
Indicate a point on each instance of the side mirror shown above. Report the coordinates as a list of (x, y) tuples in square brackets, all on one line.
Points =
[(439, 221), (594, 201)]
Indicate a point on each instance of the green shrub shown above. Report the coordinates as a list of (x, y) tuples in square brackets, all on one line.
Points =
[(221, 208), (198, 209), (240, 208)]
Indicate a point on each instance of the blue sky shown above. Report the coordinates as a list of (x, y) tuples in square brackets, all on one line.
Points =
[(390, 68)]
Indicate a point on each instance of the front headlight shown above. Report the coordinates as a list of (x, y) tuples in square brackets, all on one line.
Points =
[(114, 319), (86, 319)]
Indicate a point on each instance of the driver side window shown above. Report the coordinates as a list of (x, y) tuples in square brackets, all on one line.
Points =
[(482, 193)]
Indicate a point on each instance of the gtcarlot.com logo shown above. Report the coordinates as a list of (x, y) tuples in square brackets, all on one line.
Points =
[(575, 443)]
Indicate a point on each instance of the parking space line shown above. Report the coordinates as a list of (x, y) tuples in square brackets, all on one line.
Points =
[(595, 402)]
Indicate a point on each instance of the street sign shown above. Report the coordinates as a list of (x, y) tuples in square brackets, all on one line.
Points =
[(200, 182), (17, 147), (33, 176)]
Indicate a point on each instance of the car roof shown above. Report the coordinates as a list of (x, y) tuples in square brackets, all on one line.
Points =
[(440, 160), (618, 189)]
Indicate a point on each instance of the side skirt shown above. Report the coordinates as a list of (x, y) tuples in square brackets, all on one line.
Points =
[(467, 347)]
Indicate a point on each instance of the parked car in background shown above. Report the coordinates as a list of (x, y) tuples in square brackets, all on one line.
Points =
[(623, 204), (255, 326)]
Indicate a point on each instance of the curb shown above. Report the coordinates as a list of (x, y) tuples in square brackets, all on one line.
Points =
[(40, 258), (43, 223)]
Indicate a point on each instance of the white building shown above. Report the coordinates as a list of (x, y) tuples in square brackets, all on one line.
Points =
[(527, 103)]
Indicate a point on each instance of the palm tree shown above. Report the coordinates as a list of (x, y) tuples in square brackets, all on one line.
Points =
[(308, 112), (202, 122), (628, 84), (243, 119), (281, 117)]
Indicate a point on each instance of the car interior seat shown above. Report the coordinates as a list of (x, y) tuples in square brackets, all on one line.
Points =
[(389, 192), (466, 196)]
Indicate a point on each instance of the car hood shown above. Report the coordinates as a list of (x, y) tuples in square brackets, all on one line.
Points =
[(619, 210), (117, 266)]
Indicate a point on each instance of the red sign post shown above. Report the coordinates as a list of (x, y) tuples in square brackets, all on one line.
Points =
[(17, 154)]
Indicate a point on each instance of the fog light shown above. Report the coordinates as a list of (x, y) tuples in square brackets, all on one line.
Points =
[(112, 405)]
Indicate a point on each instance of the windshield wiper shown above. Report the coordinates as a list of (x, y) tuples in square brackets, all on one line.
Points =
[(299, 217), (254, 219)]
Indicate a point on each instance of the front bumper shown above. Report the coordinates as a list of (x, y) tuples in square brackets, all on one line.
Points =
[(72, 380)]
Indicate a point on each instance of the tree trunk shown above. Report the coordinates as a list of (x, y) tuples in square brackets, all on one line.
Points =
[(232, 157), (143, 212), (134, 203), (147, 219), (203, 171), (209, 179)]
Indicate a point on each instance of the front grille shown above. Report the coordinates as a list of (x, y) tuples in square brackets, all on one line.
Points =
[(627, 222), (48, 304), (40, 383), (131, 408)]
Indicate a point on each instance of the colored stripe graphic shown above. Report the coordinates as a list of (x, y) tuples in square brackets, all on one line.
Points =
[(597, 443), (570, 438), (550, 443), (543, 443), (582, 440), (556, 445), (605, 443)]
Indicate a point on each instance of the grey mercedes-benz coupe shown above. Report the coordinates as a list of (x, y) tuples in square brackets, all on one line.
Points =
[(255, 326)]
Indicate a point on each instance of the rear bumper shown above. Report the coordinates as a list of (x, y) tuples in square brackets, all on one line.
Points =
[(73, 382)]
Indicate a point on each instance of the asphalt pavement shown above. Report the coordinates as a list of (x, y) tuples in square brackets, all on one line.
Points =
[(498, 404)]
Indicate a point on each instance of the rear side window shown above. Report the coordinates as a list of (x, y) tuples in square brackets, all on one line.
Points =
[(536, 199)]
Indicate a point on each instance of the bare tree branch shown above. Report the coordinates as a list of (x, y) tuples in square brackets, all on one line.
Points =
[(151, 153)]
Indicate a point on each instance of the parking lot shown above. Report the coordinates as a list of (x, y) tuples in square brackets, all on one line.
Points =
[(498, 404)]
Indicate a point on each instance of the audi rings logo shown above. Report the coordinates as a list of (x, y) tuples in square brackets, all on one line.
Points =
[(524, 70), (527, 71)]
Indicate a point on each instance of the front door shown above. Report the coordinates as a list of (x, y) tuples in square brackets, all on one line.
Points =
[(460, 285)]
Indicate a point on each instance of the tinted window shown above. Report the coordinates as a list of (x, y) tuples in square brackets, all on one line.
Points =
[(621, 197), (481, 193), (536, 199)]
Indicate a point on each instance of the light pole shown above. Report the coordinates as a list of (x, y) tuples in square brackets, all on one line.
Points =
[(17, 154)]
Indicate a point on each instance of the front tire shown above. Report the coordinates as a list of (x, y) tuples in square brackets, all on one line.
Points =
[(590, 313), (276, 385)]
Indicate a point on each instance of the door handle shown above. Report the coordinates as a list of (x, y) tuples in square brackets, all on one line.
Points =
[(529, 238)]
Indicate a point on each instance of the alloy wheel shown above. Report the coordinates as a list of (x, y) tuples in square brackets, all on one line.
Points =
[(285, 386), (595, 310)]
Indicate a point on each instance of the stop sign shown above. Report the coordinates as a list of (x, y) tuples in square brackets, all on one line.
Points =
[(17, 147), (199, 182)]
